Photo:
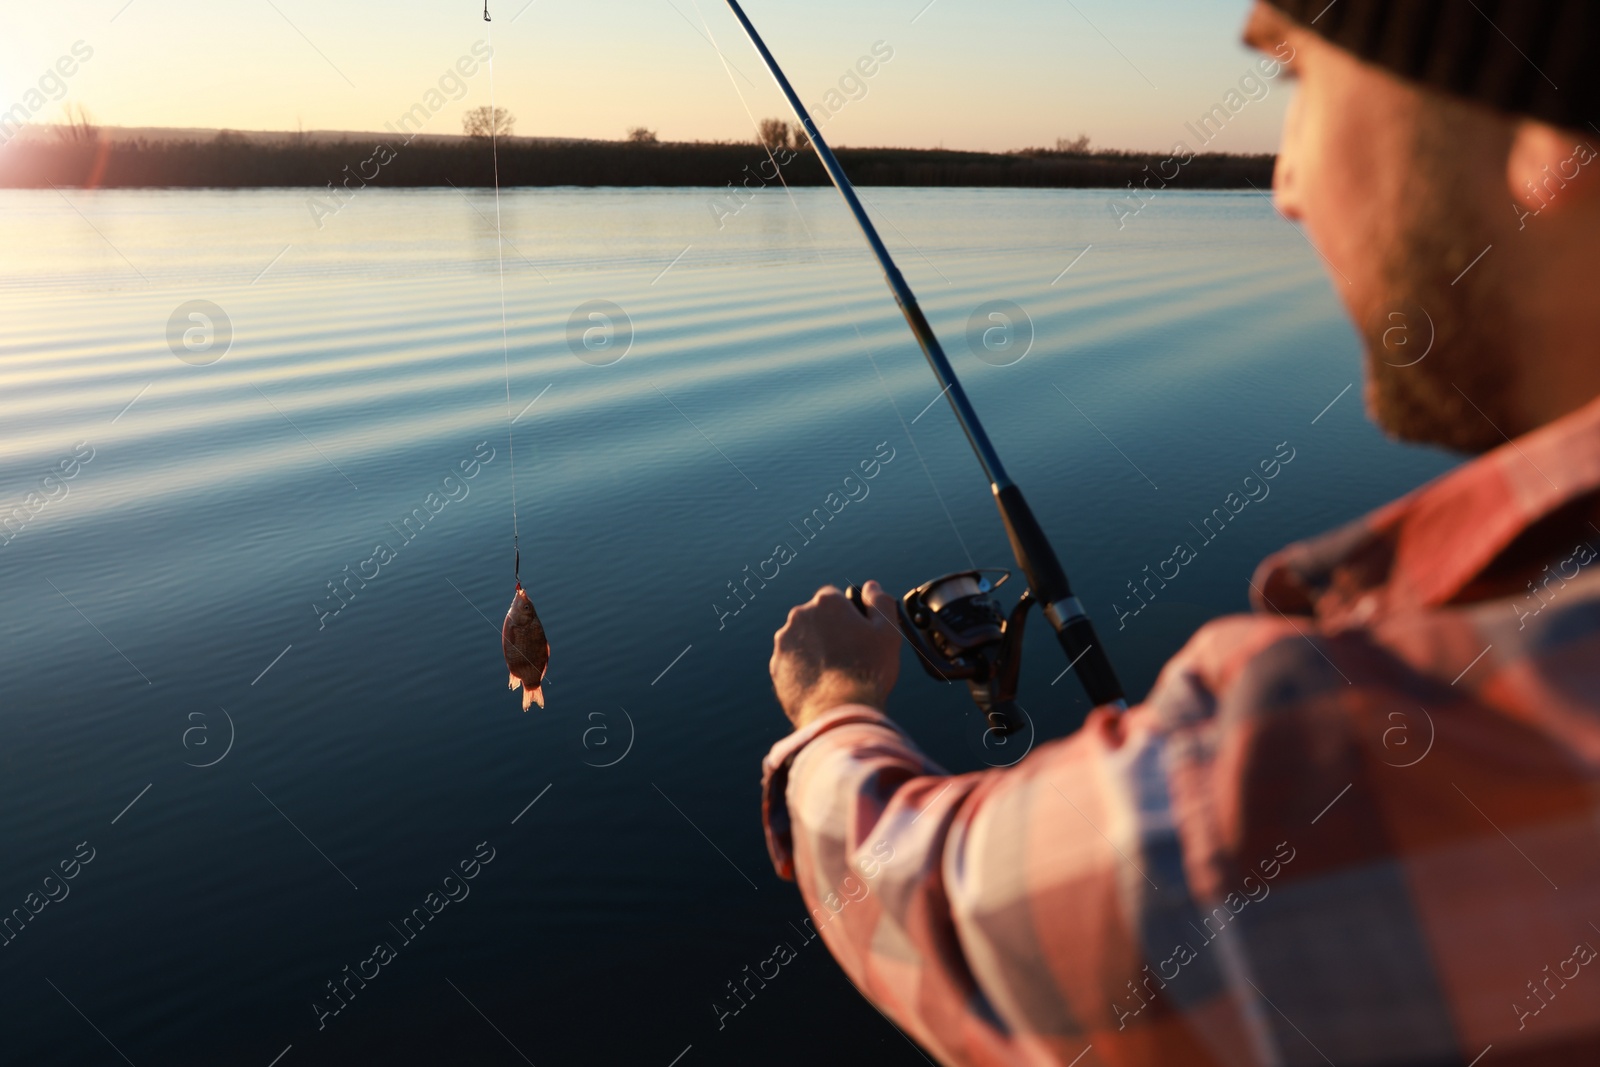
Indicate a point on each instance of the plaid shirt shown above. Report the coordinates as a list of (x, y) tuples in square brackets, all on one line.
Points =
[(1358, 826)]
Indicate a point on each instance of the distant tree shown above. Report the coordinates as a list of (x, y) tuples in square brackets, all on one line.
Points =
[(79, 127), (488, 122), (798, 139), (642, 135), (230, 137), (1078, 145), (772, 133)]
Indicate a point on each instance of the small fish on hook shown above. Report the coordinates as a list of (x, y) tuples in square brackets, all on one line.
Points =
[(526, 648)]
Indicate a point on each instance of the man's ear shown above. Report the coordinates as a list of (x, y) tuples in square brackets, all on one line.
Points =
[(1549, 168)]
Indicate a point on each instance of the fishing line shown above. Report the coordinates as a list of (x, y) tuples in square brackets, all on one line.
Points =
[(776, 169), (815, 247), (505, 342), (912, 438)]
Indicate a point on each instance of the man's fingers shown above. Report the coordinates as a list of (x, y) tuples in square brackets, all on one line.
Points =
[(876, 604), (825, 592)]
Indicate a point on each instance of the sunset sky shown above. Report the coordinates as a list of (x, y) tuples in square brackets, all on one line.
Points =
[(979, 74)]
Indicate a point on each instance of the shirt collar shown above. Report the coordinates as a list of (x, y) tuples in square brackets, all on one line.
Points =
[(1422, 550)]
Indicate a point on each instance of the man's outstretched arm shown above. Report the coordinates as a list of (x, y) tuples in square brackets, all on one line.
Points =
[(991, 915), (930, 890), (1246, 868)]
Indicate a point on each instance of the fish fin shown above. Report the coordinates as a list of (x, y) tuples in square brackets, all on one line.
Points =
[(513, 683)]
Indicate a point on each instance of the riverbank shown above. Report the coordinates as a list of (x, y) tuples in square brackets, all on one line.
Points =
[(236, 162)]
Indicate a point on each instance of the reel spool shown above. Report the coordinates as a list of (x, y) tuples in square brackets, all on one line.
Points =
[(961, 633)]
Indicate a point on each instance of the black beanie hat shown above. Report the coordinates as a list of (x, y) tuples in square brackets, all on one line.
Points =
[(1530, 57)]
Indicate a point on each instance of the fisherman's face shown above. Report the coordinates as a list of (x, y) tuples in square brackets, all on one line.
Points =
[(1400, 189)]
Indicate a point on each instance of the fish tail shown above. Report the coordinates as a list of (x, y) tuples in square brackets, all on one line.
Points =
[(533, 696)]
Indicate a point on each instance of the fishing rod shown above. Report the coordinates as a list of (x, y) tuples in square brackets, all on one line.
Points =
[(957, 628)]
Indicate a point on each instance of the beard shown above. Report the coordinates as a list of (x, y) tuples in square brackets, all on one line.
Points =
[(1437, 332)]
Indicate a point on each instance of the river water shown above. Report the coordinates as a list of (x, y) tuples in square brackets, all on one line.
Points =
[(273, 763)]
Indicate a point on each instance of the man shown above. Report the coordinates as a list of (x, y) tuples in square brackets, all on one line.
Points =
[(1361, 825)]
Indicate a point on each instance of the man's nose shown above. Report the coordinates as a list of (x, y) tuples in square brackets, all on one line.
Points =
[(1285, 193), (1285, 170)]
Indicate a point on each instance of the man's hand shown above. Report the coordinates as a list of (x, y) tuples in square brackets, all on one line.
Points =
[(828, 655)]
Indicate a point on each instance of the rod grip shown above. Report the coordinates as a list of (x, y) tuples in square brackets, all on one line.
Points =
[(1031, 548), (1088, 656), (1051, 588)]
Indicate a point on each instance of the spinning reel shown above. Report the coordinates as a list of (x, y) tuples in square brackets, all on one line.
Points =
[(960, 632)]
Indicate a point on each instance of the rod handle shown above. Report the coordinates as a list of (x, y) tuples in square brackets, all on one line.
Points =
[(1050, 587), (1088, 657), (1031, 548)]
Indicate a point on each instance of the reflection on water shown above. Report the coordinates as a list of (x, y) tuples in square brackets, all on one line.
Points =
[(279, 546)]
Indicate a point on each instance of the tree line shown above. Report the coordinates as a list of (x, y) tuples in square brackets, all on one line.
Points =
[(232, 160)]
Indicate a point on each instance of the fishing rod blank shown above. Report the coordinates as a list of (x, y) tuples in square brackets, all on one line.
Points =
[(1032, 549)]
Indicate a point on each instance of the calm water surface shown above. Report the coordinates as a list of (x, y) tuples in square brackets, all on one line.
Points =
[(169, 605)]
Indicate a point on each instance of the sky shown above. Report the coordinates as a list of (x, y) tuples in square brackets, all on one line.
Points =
[(987, 75)]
